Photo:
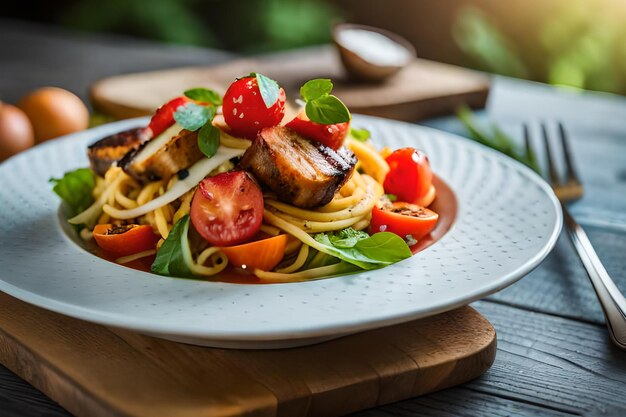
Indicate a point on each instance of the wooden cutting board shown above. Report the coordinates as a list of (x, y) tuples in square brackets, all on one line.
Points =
[(95, 371), (423, 89)]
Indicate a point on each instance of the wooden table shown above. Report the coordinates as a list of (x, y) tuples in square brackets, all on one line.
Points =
[(554, 355)]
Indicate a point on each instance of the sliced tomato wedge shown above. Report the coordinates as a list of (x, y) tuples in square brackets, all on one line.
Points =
[(409, 221), (125, 240), (164, 116), (409, 177), (329, 135), (227, 209), (263, 254)]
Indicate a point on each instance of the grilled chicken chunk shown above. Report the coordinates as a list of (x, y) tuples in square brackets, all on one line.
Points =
[(163, 156), (110, 149), (301, 172)]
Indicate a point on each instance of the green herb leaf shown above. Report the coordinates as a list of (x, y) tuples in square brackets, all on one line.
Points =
[(361, 135), (391, 197), (347, 237), (327, 110), (75, 188), (316, 88), (192, 116), (170, 259), (384, 246), (208, 139), (368, 252), (204, 95), (269, 89)]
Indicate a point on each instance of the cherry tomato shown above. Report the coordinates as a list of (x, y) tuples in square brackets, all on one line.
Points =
[(409, 176), (330, 135), (428, 198), (164, 116), (227, 209), (263, 254), (245, 111), (403, 219), (125, 240)]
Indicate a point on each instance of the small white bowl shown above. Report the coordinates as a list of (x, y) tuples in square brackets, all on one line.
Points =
[(371, 54)]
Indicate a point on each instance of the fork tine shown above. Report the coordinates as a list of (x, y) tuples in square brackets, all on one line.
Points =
[(530, 153), (569, 164), (554, 178), (527, 140)]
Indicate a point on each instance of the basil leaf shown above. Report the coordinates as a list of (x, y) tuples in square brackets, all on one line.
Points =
[(170, 258), (347, 238), (192, 116), (269, 89), (76, 189), (384, 246), (208, 139), (317, 88), (391, 197), (349, 255), (204, 95), (368, 252), (360, 134), (327, 110)]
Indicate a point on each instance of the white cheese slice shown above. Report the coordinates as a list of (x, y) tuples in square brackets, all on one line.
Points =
[(197, 172), (157, 143)]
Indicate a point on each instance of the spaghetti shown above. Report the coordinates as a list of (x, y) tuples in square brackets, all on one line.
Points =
[(350, 207)]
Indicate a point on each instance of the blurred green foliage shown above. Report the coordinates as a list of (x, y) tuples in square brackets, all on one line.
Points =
[(242, 25), (575, 43), (579, 44), (478, 37)]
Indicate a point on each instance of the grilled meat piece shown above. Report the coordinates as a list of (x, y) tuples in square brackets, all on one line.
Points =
[(163, 156), (301, 172), (110, 149)]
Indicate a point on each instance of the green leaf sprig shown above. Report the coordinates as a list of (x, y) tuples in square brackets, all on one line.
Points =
[(172, 258), (360, 249), (362, 135), (270, 90), (193, 116), (204, 95), (76, 189), (321, 106), (496, 139)]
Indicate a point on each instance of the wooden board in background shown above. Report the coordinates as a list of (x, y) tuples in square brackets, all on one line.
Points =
[(422, 90), (95, 371)]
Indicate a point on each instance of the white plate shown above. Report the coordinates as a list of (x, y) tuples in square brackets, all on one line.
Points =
[(508, 220)]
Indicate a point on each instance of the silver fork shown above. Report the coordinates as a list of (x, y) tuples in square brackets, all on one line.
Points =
[(611, 299)]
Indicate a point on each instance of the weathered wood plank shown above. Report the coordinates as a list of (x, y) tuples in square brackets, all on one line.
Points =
[(560, 285), (463, 401), (560, 363), (545, 366), (19, 398)]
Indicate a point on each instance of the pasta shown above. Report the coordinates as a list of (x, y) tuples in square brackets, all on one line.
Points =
[(351, 206)]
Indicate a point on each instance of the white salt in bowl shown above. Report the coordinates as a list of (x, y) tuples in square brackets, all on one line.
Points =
[(371, 54)]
